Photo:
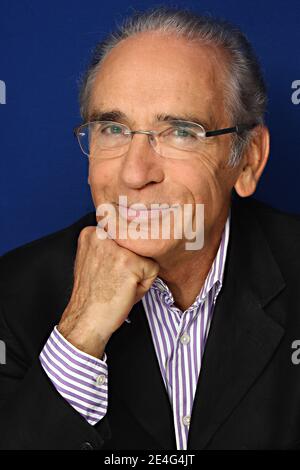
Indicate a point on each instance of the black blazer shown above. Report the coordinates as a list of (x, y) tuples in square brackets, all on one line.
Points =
[(248, 393)]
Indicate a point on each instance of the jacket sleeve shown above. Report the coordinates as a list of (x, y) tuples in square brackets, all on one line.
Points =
[(33, 415)]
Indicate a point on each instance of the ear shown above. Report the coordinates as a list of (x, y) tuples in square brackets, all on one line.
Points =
[(253, 162)]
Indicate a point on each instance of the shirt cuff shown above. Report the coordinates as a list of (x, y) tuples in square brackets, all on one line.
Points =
[(79, 377)]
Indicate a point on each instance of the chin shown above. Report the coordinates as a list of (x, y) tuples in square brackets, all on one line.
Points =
[(148, 248)]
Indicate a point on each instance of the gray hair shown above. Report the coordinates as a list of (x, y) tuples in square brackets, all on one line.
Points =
[(245, 88)]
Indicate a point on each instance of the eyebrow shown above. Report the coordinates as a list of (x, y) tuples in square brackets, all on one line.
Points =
[(118, 116), (114, 115), (184, 117)]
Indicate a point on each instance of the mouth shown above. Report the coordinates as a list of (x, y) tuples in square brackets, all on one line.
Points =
[(141, 212)]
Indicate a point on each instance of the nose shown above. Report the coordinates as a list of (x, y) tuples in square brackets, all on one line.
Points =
[(141, 165)]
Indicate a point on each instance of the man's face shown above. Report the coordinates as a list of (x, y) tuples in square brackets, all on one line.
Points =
[(145, 77)]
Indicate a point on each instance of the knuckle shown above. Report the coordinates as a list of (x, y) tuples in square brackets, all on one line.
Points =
[(123, 259), (85, 233)]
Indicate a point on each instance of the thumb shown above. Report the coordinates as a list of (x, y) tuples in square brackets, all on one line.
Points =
[(150, 272)]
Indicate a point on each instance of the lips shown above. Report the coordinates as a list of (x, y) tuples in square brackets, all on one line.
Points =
[(139, 212)]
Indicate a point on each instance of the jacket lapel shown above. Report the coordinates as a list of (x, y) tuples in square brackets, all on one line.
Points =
[(242, 337)]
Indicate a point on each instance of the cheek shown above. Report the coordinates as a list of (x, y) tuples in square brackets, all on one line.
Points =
[(101, 181), (210, 190), (202, 180), (101, 174)]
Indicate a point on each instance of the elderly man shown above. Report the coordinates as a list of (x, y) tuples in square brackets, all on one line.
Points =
[(127, 342)]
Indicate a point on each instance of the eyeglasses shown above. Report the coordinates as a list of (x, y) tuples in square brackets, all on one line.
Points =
[(174, 139)]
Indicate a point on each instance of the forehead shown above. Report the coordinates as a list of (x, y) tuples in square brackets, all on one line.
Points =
[(151, 71)]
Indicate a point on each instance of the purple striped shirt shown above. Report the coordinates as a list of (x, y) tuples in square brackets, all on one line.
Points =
[(179, 339), (80, 378)]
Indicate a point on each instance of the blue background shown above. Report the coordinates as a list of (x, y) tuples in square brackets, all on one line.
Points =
[(45, 46)]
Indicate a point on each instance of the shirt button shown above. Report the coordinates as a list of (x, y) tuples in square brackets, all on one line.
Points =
[(185, 339), (100, 379), (186, 420)]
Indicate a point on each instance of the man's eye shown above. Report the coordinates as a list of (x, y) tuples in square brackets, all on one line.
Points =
[(183, 133), (112, 130)]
